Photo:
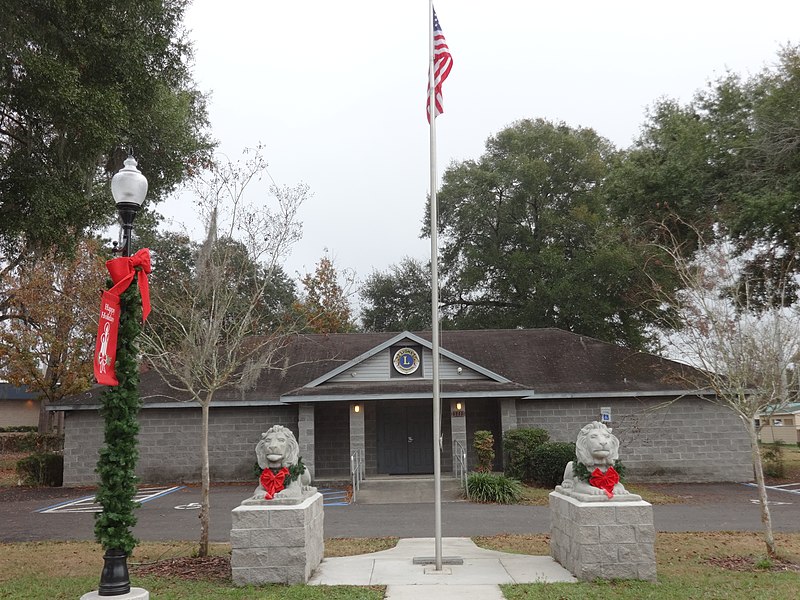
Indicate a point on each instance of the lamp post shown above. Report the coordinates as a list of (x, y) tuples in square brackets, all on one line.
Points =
[(129, 187), (120, 407)]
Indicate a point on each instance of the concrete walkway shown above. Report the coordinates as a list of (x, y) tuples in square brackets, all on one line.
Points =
[(478, 578)]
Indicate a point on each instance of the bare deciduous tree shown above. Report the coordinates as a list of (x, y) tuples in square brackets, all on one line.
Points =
[(744, 350), (218, 329)]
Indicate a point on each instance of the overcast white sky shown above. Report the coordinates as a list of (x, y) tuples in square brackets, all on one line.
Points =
[(336, 91)]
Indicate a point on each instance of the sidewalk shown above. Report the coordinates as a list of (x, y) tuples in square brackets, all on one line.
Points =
[(478, 577)]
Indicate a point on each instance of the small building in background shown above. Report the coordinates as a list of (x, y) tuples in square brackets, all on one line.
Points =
[(782, 425), (18, 406)]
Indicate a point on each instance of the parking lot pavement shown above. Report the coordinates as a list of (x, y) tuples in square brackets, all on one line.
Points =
[(174, 515), (166, 512), (88, 504)]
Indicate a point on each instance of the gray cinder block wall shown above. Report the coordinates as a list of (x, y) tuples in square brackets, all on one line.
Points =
[(688, 440), (169, 442)]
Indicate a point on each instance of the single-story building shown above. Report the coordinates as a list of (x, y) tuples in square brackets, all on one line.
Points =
[(18, 406), (371, 394), (781, 425)]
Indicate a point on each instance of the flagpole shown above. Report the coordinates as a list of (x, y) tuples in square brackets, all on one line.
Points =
[(437, 458)]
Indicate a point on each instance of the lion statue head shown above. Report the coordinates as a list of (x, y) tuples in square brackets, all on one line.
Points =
[(277, 448), (596, 445)]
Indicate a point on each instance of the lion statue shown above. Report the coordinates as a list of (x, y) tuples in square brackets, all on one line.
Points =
[(596, 449), (278, 450)]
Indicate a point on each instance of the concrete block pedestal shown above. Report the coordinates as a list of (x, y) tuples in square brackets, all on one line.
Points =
[(277, 543), (603, 540)]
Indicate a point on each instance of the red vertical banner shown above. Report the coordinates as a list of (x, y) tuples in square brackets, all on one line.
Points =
[(122, 271), (105, 350)]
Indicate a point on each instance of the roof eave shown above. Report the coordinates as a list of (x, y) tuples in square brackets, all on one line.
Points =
[(620, 394), (406, 396)]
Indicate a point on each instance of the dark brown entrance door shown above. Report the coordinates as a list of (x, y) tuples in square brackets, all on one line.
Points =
[(405, 438)]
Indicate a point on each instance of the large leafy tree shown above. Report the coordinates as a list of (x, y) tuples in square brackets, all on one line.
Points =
[(397, 299), (528, 240), (725, 164), (78, 80), (176, 258)]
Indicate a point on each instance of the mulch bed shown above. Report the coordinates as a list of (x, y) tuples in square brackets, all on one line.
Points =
[(22, 493), (216, 569), (746, 564)]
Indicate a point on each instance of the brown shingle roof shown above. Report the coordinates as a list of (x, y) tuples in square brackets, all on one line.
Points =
[(548, 361)]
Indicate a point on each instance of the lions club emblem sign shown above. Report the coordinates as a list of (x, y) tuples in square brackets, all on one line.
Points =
[(406, 361)]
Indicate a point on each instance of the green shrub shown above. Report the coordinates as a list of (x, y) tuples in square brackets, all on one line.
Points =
[(484, 450), (31, 442), (772, 459), (493, 488), (18, 428), (549, 461), (519, 445), (41, 468)]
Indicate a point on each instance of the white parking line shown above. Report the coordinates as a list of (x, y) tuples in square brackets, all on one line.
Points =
[(784, 487), (87, 504)]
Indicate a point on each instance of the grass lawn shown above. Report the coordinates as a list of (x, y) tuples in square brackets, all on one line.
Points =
[(684, 570), (67, 570), (693, 565)]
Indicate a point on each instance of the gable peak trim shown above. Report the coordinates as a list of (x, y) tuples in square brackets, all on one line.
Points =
[(393, 341)]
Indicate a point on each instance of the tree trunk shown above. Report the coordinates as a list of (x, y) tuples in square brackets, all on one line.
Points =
[(766, 519), (44, 417), (205, 484)]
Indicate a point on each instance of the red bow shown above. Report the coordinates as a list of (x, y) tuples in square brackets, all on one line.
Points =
[(605, 481), (122, 271), (272, 482)]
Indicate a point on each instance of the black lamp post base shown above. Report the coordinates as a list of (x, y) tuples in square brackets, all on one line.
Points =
[(135, 594), (114, 580)]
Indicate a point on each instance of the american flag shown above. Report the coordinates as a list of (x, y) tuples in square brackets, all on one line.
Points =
[(442, 63)]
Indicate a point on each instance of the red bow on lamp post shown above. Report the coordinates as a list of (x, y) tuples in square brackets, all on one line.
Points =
[(122, 271)]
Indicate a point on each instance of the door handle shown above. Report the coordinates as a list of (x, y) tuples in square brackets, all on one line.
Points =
[(410, 439)]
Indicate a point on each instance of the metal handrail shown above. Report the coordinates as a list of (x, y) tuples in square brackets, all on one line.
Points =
[(357, 470), (460, 465)]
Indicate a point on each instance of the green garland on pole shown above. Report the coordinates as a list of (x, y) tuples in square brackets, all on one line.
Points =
[(120, 407)]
